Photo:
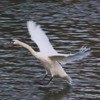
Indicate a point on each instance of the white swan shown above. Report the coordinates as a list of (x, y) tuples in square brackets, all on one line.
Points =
[(48, 56)]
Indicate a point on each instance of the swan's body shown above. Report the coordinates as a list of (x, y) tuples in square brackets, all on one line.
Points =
[(48, 56), (52, 67)]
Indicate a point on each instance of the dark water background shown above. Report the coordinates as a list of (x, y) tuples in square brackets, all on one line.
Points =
[(68, 26)]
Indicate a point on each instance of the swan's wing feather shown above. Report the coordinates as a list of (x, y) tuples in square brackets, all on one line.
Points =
[(40, 38), (70, 58)]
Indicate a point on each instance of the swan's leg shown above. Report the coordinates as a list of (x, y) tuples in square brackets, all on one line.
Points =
[(49, 81), (45, 76), (42, 81), (46, 83)]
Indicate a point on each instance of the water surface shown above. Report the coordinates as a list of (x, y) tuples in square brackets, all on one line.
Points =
[(68, 27)]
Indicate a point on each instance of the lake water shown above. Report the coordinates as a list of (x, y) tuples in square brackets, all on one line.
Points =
[(68, 26)]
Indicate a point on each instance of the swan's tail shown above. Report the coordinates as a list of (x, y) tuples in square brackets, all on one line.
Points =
[(68, 79)]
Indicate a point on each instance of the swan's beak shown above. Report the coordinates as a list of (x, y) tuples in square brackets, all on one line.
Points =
[(11, 43)]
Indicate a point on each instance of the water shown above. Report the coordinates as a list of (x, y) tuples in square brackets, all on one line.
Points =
[(68, 27)]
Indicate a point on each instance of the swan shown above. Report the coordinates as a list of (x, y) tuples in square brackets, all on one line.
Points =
[(48, 56)]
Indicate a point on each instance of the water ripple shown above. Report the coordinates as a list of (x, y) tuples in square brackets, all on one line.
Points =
[(69, 27)]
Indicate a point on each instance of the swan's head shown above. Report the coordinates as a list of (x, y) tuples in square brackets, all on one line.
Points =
[(15, 42)]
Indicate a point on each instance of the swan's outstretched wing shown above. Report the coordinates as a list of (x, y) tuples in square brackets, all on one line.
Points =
[(69, 58), (40, 38)]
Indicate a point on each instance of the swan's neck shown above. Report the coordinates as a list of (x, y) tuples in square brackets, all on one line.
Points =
[(29, 48)]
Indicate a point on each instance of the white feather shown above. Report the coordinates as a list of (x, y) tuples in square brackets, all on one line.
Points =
[(47, 55), (70, 58), (40, 38)]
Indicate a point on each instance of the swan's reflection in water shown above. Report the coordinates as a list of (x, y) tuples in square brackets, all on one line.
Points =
[(56, 92)]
